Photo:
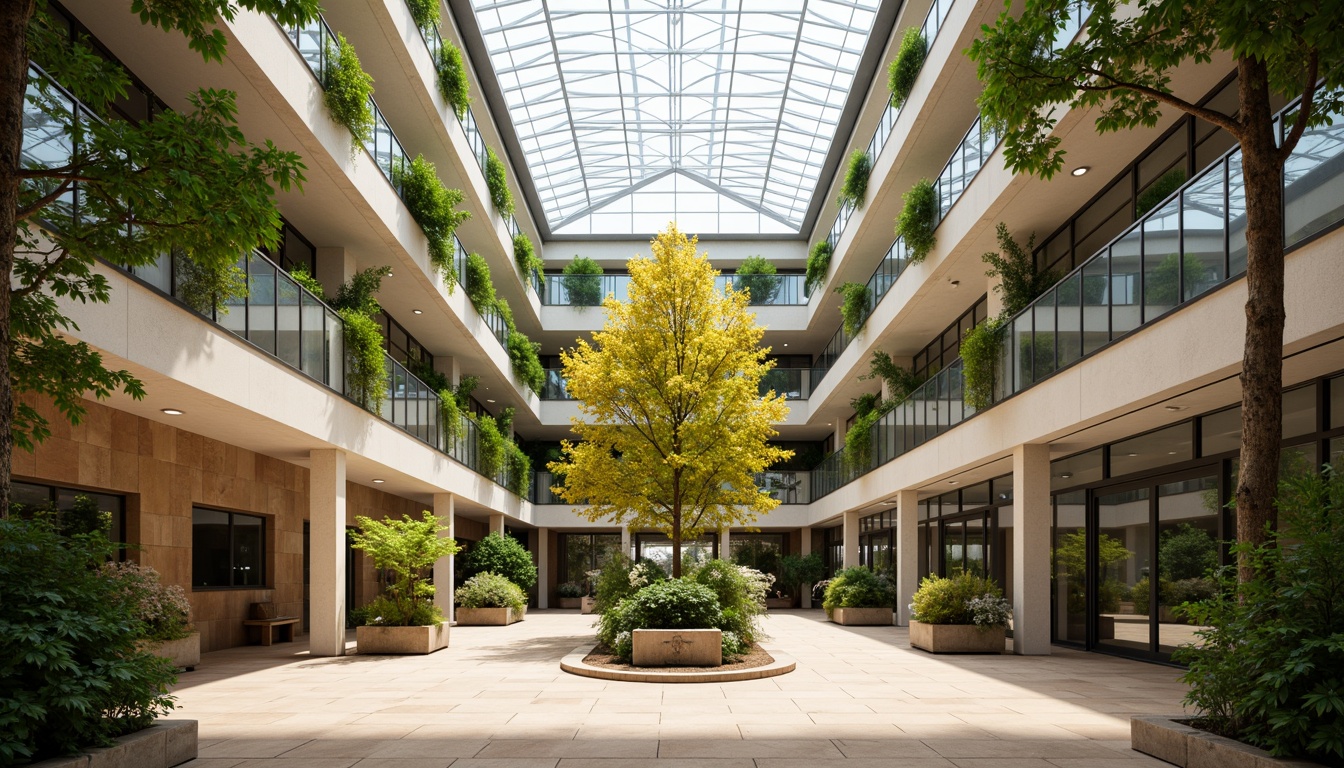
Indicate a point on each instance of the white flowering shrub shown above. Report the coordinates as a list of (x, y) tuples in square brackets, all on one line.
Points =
[(162, 607), (990, 611)]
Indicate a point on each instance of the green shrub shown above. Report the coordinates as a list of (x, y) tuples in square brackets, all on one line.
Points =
[(859, 441), (502, 555), (311, 284), (434, 208), (454, 86), (979, 358), (520, 470), (854, 308), (366, 374), (497, 181), (741, 592), (162, 608), (425, 13), (1186, 552), (1159, 190), (384, 611), (961, 599), (525, 362), (347, 90), (408, 548), (858, 587), (900, 381), (490, 590), (490, 446), (207, 288), (905, 67), (756, 276), (569, 589), (613, 584), (798, 571), (918, 220), (358, 293), (480, 287), (583, 282), (1269, 667), (1020, 282), (854, 190), (525, 256), (73, 674), (670, 604), (818, 263)]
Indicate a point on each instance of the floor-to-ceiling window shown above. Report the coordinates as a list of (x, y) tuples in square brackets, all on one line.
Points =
[(581, 553)]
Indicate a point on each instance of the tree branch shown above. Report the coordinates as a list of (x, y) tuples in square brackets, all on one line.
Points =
[(1304, 110), (26, 211), (42, 276), (1212, 116)]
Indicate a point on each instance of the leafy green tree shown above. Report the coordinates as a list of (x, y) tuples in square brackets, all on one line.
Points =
[(191, 183), (502, 555), (409, 548), (1123, 66)]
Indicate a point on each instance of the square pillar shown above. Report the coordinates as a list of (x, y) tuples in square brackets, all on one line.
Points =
[(851, 538), (1031, 550), (327, 545), (907, 553), (805, 599), (723, 544), (444, 578), (334, 266), (543, 568), (626, 545), (497, 523)]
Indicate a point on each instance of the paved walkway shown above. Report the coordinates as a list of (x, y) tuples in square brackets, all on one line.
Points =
[(860, 698)]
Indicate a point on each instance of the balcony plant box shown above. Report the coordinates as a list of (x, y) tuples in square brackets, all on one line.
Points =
[(956, 638), (862, 617), (677, 647), (569, 603), (489, 617), (962, 614), (184, 653), (383, 640)]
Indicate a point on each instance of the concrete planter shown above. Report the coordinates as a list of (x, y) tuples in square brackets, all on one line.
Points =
[(162, 745), (862, 617), (677, 648), (587, 604), (568, 603), (956, 638), (184, 653), (488, 617), (1186, 746), (778, 602), (401, 640)]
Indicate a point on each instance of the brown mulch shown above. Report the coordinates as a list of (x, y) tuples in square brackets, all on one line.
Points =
[(756, 657)]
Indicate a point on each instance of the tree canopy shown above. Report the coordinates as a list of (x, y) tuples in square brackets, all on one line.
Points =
[(672, 424)]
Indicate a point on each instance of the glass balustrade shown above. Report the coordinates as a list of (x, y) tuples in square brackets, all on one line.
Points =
[(791, 383), (542, 481), (591, 290), (554, 388), (787, 486)]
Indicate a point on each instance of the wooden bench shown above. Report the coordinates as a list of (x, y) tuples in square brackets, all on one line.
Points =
[(266, 628)]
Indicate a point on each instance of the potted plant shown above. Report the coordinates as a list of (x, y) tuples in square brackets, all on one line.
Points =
[(488, 599), (404, 618), (797, 572), (859, 597), (163, 609), (570, 594), (671, 622), (962, 614)]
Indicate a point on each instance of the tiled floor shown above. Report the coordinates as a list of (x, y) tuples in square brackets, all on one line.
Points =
[(497, 699)]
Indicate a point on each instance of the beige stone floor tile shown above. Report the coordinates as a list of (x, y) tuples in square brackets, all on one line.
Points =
[(212, 762), (730, 762), (616, 748), (1003, 748), (889, 748), (300, 762), (508, 762), (861, 762), (404, 762), (248, 748), (754, 748)]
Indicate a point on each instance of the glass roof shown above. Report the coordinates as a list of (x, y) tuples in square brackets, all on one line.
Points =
[(718, 114)]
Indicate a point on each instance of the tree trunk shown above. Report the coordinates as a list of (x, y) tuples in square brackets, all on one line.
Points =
[(14, 18), (1262, 363), (676, 541)]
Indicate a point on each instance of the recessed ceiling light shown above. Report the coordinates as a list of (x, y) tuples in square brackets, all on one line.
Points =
[(1131, 455), (1081, 170), (489, 401), (379, 480), (951, 482), (417, 311), (172, 411), (786, 343), (1065, 475), (1171, 453), (1174, 408), (956, 283), (888, 503)]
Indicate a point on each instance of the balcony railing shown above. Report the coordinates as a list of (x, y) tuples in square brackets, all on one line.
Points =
[(591, 290), (788, 486), (1192, 243), (792, 383)]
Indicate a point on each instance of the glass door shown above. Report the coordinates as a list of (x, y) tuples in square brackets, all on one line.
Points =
[(1123, 563), (1188, 512)]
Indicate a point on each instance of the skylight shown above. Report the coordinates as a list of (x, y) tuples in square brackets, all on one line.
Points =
[(718, 114)]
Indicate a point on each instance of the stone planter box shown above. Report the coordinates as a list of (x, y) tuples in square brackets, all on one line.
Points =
[(778, 602), (568, 603), (956, 638), (677, 647), (488, 617), (402, 640), (165, 744), (587, 604), (1187, 746), (184, 653), (862, 617)]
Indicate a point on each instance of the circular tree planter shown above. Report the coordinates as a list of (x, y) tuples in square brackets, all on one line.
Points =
[(677, 647), (575, 665)]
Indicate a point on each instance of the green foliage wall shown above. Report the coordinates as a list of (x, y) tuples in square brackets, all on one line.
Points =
[(1168, 183), (905, 67), (490, 445), (366, 370), (497, 180), (480, 288), (454, 86), (583, 282), (526, 257), (854, 190), (434, 207), (854, 310), (818, 263), (918, 220), (347, 89)]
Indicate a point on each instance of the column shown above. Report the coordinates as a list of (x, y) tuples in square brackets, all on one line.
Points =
[(806, 549), (907, 553), (625, 543), (497, 523), (334, 266), (543, 568), (851, 538), (444, 579), (327, 543), (1031, 550), (723, 544)]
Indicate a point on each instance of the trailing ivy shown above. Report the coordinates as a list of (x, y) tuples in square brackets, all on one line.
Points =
[(526, 257), (818, 264), (425, 13), (480, 288), (207, 288), (583, 282), (979, 358), (854, 310), (434, 207), (868, 408), (756, 276), (303, 278), (854, 190), (525, 362), (900, 381), (347, 90), (1020, 282), (497, 181), (905, 67), (454, 86), (522, 351), (918, 220), (366, 372), (490, 446), (520, 470)]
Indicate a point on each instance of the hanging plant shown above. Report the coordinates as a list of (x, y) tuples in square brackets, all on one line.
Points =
[(303, 278), (979, 358), (583, 282), (480, 289), (454, 86), (900, 381), (854, 191), (347, 90), (918, 220), (520, 470), (490, 445), (859, 441), (434, 207), (425, 13), (756, 276), (854, 310), (497, 181), (207, 288), (526, 257), (906, 66), (366, 373), (1019, 280), (525, 362), (818, 263)]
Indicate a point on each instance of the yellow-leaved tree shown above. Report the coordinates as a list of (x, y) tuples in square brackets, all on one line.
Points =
[(672, 424)]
